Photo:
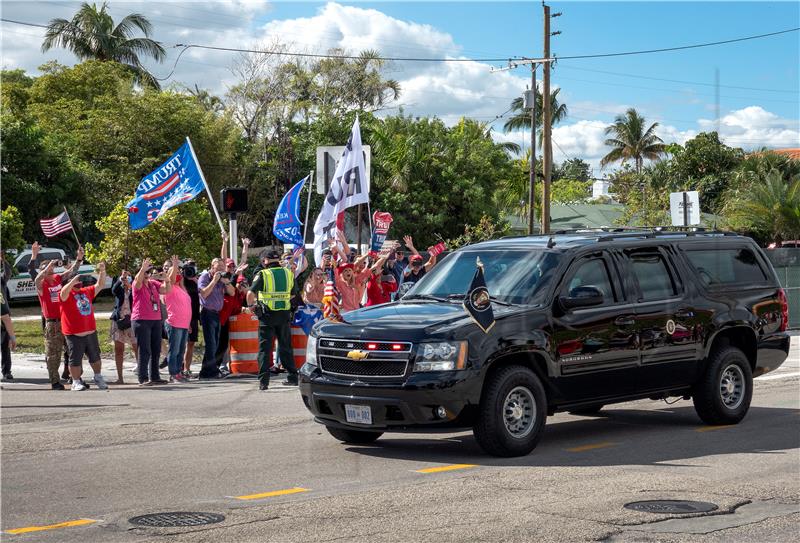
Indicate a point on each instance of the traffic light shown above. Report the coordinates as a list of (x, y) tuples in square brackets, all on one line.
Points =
[(233, 200)]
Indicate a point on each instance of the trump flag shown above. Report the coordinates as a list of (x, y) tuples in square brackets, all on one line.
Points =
[(287, 226), (176, 181)]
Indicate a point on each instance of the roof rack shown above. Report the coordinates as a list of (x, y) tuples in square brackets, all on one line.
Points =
[(659, 231)]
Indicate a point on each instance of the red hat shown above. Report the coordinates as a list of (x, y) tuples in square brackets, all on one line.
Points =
[(242, 279), (229, 261), (347, 266), (414, 258)]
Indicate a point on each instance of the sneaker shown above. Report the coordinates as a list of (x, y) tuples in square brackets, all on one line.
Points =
[(164, 363), (79, 385), (57, 386), (145, 383), (159, 381), (100, 381), (187, 373), (178, 378), (263, 386), (224, 371), (290, 382), (7, 377)]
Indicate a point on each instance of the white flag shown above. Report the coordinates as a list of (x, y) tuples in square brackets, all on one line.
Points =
[(349, 187)]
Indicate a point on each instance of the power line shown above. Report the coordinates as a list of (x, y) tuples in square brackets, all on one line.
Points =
[(682, 47), (678, 80)]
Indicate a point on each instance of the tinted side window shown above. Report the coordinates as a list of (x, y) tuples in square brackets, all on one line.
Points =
[(655, 281), (726, 266), (593, 272)]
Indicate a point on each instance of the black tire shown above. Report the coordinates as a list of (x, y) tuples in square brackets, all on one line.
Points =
[(356, 437), (491, 430), (723, 393), (588, 410)]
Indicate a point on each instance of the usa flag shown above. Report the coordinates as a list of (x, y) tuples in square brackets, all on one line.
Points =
[(57, 225)]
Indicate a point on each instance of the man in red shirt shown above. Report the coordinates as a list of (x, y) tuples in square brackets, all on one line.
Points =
[(380, 287), (48, 285), (79, 328)]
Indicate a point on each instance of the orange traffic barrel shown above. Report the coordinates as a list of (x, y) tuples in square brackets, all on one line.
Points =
[(243, 333), (299, 343)]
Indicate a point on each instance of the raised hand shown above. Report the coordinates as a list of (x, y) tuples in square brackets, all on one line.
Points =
[(146, 264), (225, 235), (241, 268), (246, 242), (101, 267), (35, 247), (409, 241), (175, 261), (79, 253)]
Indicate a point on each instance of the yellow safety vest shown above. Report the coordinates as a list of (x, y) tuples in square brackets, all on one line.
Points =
[(277, 288)]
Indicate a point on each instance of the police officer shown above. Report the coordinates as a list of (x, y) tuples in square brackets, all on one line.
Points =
[(270, 299)]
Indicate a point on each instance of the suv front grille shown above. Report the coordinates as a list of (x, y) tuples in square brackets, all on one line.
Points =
[(381, 361)]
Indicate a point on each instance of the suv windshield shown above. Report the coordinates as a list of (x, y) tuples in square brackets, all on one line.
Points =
[(513, 276)]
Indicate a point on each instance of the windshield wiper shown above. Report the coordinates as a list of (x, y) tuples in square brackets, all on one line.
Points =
[(492, 298), (423, 297)]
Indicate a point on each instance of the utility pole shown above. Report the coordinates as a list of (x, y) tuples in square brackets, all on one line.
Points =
[(546, 124), (532, 187)]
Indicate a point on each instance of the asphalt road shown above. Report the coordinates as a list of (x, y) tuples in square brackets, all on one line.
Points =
[(83, 464)]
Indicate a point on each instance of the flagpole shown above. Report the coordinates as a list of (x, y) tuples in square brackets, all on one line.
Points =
[(74, 233), (308, 208), (205, 184)]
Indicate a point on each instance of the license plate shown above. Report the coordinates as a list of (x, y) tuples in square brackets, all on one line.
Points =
[(358, 414)]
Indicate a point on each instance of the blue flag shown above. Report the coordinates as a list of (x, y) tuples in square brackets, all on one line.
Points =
[(176, 181), (287, 227)]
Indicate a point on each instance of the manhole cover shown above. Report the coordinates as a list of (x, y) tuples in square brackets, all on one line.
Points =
[(672, 506), (178, 518)]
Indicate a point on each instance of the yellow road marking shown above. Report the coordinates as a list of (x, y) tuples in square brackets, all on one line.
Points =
[(451, 467), (284, 492), (68, 524), (712, 428), (592, 446)]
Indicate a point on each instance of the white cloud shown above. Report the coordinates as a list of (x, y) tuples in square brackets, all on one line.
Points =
[(754, 127)]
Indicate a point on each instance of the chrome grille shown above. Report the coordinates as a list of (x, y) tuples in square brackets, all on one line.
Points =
[(381, 361)]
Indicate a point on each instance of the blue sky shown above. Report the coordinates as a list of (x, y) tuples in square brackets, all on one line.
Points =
[(749, 118)]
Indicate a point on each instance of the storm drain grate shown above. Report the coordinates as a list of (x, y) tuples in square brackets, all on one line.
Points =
[(177, 518), (672, 506)]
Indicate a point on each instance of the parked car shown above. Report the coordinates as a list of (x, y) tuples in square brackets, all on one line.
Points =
[(21, 286), (581, 321)]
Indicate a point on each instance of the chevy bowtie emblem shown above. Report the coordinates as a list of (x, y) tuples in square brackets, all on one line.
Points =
[(357, 355)]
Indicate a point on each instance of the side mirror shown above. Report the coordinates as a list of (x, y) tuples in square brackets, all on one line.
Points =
[(585, 296), (403, 289)]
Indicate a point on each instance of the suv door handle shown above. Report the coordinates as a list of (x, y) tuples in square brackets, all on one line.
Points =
[(625, 320), (684, 313)]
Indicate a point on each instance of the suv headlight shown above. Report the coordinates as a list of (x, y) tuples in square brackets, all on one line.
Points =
[(443, 356), (311, 356)]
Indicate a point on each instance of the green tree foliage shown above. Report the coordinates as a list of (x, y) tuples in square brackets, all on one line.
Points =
[(11, 230), (632, 141), (92, 35), (770, 208), (521, 117), (487, 228), (435, 179), (573, 168), (570, 191), (87, 137), (188, 230)]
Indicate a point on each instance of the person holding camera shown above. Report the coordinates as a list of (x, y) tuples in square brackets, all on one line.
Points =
[(270, 299), (212, 287), (121, 331), (146, 322), (189, 273)]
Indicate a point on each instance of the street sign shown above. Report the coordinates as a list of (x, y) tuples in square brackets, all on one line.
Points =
[(328, 157), (685, 208)]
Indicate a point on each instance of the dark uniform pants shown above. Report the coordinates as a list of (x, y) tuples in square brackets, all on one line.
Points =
[(275, 324)]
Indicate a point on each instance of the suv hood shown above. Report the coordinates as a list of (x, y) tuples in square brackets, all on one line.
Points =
[(400, 320)]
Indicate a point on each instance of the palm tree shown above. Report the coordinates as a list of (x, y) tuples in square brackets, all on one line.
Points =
[(632, 141), (771, 207), (521, 120), (92, 35)]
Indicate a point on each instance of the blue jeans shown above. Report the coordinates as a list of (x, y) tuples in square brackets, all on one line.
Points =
[(210, 322), (177, 348)]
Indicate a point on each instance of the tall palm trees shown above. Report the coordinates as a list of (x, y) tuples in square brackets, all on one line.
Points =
[(92, 35), (632, 141)]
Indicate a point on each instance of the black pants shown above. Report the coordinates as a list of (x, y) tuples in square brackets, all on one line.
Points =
[(148, 341), (222, 347), (6, 352), (275, 324)]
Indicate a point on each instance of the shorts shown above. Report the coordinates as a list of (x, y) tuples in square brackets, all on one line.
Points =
[(193, 329), (80, 345)]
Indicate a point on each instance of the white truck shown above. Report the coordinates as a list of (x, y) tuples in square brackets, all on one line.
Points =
[(21, 286)]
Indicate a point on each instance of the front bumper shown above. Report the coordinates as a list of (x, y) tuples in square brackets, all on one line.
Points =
[(408, 404)]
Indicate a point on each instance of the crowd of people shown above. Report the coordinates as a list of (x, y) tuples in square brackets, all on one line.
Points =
[(160, 309)]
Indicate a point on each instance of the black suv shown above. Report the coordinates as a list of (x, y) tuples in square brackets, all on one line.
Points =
[(581, 321)]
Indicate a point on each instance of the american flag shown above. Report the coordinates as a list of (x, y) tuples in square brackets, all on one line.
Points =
[(56, 225)]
